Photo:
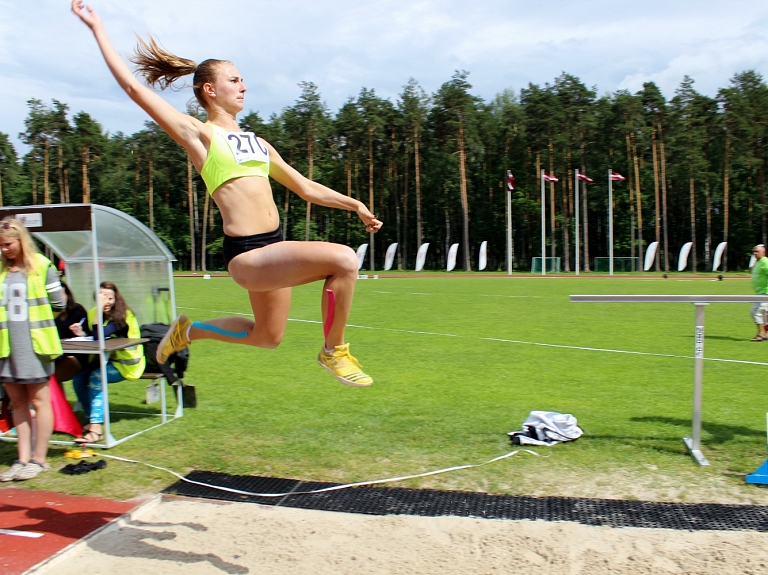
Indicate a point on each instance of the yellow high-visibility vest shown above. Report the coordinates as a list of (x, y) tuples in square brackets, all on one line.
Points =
[(130, 361), (45, 337)]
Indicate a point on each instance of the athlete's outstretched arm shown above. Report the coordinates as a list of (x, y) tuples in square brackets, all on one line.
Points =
[(181, 127), (318, 193)]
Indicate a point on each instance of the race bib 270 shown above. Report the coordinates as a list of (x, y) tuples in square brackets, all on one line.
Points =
[(246, 147)]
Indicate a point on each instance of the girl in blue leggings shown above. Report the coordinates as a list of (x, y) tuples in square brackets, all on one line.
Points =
[(119, 321)]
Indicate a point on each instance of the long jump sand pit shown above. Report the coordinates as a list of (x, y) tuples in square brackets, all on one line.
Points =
[(201, 537)]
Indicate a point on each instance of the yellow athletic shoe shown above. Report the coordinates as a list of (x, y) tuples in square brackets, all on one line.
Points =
[(344, 367), (174, 340)]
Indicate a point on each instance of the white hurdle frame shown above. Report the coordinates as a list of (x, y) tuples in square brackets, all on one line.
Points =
[(700, 301)]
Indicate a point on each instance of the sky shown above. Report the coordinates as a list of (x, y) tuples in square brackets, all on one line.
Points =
[(344, 45)]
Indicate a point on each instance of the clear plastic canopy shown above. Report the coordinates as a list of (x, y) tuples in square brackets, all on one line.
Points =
[(118, 237), (98, 244)]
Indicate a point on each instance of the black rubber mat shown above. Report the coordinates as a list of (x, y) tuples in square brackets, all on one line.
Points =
[(426, 502)]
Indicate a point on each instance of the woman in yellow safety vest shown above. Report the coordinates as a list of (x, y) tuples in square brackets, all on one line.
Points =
[(29, 343), (128, 363)]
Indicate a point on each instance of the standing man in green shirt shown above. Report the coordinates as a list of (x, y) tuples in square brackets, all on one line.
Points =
[(760, 285)]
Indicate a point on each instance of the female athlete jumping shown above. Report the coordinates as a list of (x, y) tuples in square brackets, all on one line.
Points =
[(235, 166)]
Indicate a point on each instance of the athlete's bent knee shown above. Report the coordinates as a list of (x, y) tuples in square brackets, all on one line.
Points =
[(239, 273), (267, 340), (348, 260), (270, 343)]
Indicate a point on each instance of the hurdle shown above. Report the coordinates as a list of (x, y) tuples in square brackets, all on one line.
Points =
[(700, 301)]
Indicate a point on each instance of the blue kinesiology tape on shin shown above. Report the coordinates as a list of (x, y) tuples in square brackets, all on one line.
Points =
[(220, 331)]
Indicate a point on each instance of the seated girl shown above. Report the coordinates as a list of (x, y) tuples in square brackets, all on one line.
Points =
[(128, 363)]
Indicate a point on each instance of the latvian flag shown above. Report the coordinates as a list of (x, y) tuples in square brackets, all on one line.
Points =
[(548, 178), (510, 181), (615, 177), (585, 178)]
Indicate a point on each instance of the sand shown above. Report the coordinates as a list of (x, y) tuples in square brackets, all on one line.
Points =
[(192, 537)]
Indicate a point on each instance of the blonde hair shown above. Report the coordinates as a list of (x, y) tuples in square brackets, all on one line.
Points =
[(14, 229), (160, 68)]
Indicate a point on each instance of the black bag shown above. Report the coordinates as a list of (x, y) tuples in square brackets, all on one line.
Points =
[(177, 363)]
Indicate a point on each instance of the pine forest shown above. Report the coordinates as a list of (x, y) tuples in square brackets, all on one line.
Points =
[(434, 168)]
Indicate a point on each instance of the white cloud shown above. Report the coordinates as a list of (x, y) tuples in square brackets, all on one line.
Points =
[(343, 45), (711, 64)]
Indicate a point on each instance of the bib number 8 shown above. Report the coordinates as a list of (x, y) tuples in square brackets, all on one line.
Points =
[(18, 309)]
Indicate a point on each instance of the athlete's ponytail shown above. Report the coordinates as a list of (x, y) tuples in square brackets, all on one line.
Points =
[(161, 69), (158, 66)]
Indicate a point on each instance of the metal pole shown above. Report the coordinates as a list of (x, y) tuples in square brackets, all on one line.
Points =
[(576, 235), (694, 442), (109, 440), (610, 224), (172, 295), (509, 232), (543, 228)]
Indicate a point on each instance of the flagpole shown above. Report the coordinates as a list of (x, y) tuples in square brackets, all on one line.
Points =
[(576, 191), (543, 229), (610, 223), (509, 229)]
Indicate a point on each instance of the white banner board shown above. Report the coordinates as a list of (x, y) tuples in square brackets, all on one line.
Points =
[(421, 256), (361, 255), (452, 257), (482, 260), (650, 255), (390, 257), (719, 255), (682, 261)]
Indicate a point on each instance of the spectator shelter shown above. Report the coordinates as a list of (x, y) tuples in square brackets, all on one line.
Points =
[(96, 244)]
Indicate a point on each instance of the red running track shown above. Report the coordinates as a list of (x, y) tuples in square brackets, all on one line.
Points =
[(62, 519)]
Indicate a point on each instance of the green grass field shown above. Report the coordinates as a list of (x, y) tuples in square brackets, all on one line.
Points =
[(448, 388)]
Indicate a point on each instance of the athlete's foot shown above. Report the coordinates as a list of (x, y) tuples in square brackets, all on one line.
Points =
[(174, 340), (343, 366)]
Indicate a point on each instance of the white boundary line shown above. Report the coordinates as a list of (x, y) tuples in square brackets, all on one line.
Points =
[(348, 325), (478, 295), (17, 533), (621, 351), (516, 341)]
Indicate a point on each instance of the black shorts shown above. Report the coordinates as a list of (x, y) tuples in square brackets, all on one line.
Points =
[(234, 246)]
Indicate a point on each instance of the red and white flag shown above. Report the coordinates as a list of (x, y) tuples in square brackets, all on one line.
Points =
[(616, 177), (585, 178), (510, 181), (548, 178)]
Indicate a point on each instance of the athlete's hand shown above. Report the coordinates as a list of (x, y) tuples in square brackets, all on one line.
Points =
[(372, 223), (86, 14), (374, 226)]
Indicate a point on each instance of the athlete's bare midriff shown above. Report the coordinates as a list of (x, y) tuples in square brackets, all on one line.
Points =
[(247, 206)]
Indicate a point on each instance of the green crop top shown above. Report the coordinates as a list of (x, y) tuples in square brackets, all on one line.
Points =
[(233, 155)]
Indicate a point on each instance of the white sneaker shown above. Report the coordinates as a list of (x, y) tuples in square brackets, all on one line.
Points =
[(30, 470), (10, 474)]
